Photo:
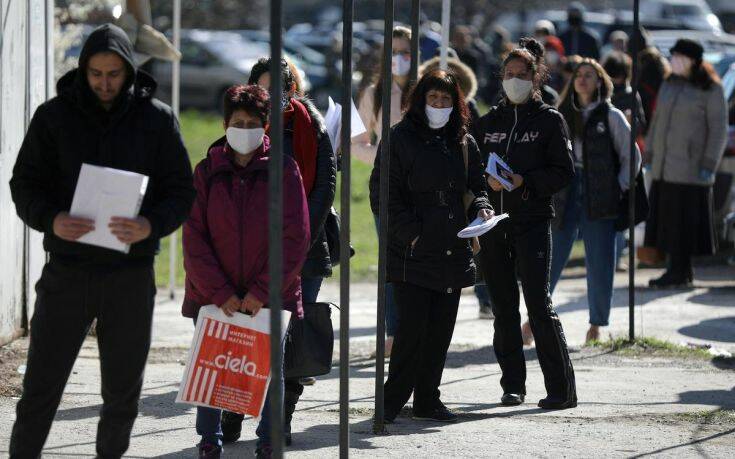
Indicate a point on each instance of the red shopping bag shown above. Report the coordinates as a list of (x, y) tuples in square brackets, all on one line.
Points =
[(229, 361)]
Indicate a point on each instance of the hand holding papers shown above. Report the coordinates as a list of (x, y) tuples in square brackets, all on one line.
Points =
[(103, 193), (500, 171), (333, 120), (478, 227)]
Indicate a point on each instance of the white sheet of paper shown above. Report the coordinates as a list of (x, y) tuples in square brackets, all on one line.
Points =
[(478, 226), (500, 171), (103, 193), (333, 120)]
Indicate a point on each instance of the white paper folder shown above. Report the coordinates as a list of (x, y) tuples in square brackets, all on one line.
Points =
[(103, 193)]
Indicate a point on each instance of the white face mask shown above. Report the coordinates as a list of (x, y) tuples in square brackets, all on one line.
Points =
[(681, 65), (244, 141), (517, 90), (400, 66), (438, 117)]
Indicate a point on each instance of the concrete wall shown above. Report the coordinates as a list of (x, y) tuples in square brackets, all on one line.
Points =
[(25, 68)]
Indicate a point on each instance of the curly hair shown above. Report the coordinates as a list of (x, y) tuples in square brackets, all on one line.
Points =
[(445, 81), (253, 99)]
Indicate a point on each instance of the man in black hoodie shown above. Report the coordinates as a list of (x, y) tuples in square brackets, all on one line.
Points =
[(104, 115)]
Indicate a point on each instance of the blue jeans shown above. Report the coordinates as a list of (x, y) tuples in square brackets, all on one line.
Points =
[(209, 425), (600, 255), (310, 288), (482, 294), (391, 315)]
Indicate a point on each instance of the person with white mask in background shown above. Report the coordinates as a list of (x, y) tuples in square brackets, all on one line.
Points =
[(364, 147), (532, 138), (434, 163), (685, 143)]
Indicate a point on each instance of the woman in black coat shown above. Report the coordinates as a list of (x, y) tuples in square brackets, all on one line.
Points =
[(428, 264)]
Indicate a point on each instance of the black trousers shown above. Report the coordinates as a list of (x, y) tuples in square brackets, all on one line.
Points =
[(68, 300), (425, 325), (524, 246)]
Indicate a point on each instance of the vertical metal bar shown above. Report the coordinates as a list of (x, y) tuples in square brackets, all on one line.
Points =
[(633, 173), (415, 32), (344, 236), (378, 423), (275, 229), (446, 8), (175, 86)]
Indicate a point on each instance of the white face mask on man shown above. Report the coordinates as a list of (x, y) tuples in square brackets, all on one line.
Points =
[(517, 90), (244, 141), (438, 117), (400, 65), (681, 65)]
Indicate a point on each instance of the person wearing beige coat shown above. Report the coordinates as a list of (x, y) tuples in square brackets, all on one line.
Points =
[(685, 144)]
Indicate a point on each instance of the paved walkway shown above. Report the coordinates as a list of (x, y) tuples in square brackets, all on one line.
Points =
[(629, 406)]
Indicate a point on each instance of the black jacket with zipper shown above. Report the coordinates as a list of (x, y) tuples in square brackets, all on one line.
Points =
[(138, 134), (533, 140), (428, 180)]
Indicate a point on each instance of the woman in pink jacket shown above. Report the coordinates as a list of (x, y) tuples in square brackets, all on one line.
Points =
[(226, 237)]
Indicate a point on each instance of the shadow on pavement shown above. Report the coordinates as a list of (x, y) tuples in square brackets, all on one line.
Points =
[(158, 406), (715, 296), (720, 329)]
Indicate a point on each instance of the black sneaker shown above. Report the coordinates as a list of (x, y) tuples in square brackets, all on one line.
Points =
[(209, 451), (231, 426), (264, 452), (671, 281), (509, 399), (439, 414), (557, 403)]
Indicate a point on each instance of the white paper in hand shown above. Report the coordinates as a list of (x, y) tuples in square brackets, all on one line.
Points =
[(103, 193), (478, 227), (333, 120), (500, 171)]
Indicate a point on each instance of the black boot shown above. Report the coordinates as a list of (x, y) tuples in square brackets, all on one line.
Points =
[(290, 399)]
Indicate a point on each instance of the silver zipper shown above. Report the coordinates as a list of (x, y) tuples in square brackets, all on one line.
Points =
[(507, 148)]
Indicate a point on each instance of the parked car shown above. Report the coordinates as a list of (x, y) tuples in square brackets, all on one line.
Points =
[(692, 14), (211, 61), (715, 45)]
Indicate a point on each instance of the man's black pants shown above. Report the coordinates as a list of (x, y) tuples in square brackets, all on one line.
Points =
[(425, 325), (68, 300), (525, 245)]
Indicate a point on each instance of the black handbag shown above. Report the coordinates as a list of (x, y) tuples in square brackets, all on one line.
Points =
[(310, 342), (332, 228), (641, 205)]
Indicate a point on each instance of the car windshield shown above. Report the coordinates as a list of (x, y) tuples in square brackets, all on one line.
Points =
[(237, 50), (686, 10)]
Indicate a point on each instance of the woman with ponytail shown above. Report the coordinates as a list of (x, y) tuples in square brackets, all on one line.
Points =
[(532, 138)]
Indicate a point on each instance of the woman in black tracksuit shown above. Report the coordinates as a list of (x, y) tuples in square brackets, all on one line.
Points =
[(433, 163), (533, 140)]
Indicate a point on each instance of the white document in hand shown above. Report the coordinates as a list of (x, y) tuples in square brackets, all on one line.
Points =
[(500, 171), (333, 120), (103, 193)]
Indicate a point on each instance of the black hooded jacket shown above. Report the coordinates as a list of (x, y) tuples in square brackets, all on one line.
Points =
[(138, 134), (540, 151), (428, 181)]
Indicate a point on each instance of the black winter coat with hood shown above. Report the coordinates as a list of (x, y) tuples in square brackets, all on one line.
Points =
[(533, 139), (138, 134), (428, 180)]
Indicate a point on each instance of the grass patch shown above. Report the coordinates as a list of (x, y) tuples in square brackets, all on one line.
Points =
[(647, 346), (719, 416), (199, 130)]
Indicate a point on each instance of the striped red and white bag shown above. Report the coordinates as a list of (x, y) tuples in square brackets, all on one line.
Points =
[(229, 361)]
